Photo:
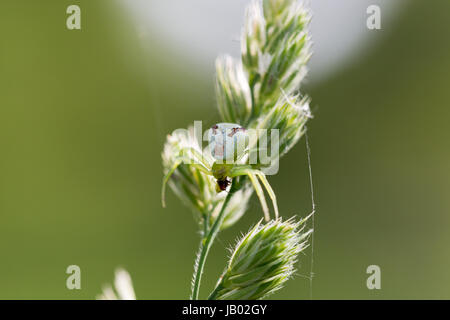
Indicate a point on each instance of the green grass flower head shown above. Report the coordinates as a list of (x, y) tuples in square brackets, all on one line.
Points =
[(262, 261)]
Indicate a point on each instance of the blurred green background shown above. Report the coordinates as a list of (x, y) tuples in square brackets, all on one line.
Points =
[(84, 114)]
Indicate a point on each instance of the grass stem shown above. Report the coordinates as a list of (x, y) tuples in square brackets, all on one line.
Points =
[(207, 241)]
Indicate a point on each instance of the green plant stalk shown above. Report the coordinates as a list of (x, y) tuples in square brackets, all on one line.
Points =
[(213, 294), (207, 242)]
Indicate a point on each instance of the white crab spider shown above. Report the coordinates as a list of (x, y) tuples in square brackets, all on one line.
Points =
[(227, 142), (228, 145)]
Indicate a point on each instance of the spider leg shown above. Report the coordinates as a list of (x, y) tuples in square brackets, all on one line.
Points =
[(166, 179), (193, 156), (254, 175), (190, 156), (260, 193), (269, 189), (202, 169)]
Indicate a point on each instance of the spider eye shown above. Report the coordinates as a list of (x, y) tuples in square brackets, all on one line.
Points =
[(227, 141)]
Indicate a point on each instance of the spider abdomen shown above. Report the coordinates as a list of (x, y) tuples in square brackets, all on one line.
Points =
[(227, 142)]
